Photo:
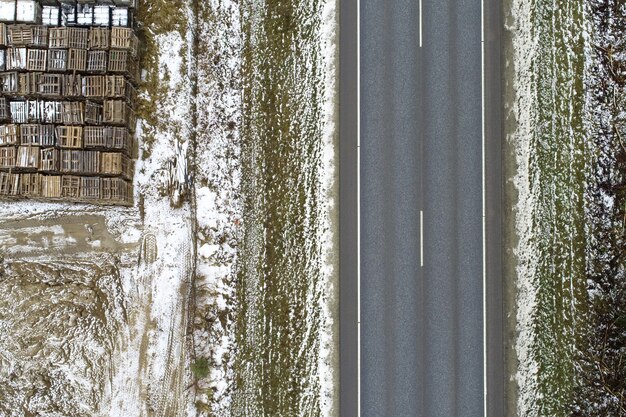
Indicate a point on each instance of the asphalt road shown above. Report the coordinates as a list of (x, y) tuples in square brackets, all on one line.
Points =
[(423, 244), (348, 208)]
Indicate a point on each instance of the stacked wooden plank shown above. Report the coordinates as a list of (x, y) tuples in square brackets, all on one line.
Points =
[(68, 75), (74, 187)]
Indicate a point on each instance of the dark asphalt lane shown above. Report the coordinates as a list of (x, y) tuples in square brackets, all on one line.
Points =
[(348, 207), (421, 150)]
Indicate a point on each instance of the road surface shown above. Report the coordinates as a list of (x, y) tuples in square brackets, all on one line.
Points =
[(348, 207), (429, 239)]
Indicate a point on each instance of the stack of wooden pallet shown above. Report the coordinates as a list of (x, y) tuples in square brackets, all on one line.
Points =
[(68, 74)]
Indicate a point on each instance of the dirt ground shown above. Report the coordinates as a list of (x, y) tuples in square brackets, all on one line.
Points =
[(94, 303), (84, 280)]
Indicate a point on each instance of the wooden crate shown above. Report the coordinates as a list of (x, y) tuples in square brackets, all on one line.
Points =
[(9, 134), (9, 183), (40, 36), (90, 187), (29, 185), (90, 162), (117, 86), (73, 113), (52, 112), (5, 110), (49, 160), (49, 2), (93, 113), (126, 3), (78, 38), (99, 38), (121, 17), (68, 37), (121, 139), (51, 85), (58, 38), (51, 16), (28, 83), (3, 34), (16, 58), (116, 163), (9, 82), (28, 157), (71, 161), (30, 134), (120, 61), (28, 35), (73, 85), (108, 137), (48, 135), (7, 10), (69, 136), (111, 163), (36, 111), (57, 59), (19, 35), (8, 157), (124, 38), (93, 86), (68, 14), (115, 189), (97, 61), (19, 111), (28, 11), (102, 15), (84, 14), (117, 112), (70, 186), (77, 60), (37, 59), (37, 135), (50, 186), (96, 137)]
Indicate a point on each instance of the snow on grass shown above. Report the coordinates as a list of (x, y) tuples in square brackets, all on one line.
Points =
[(217, 200), (328, 358), (524, 50)]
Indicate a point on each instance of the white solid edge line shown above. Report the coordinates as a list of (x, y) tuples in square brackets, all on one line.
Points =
[(358, 188), (420, 22), (484, 202)]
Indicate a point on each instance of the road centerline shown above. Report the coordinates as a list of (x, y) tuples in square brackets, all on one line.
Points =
[(420, 22), (421, 237)]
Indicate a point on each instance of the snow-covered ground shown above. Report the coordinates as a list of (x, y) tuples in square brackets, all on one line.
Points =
[(147, 251), (217, 174), (525, 48), (108, 309)]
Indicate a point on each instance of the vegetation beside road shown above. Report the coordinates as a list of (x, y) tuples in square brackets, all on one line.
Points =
[(572, 281), (601, 363)]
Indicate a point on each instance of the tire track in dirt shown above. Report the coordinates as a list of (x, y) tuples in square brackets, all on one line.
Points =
[(171, 399)]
